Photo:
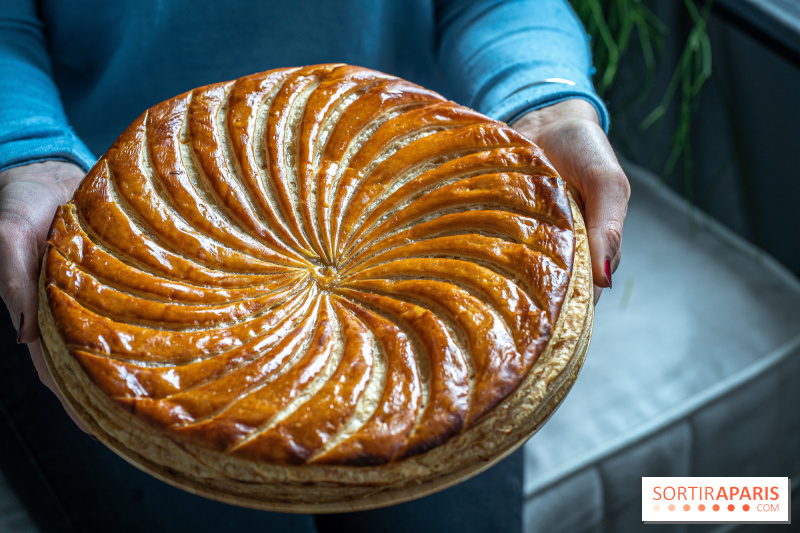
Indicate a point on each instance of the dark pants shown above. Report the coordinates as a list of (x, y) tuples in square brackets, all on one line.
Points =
[(68, 482)]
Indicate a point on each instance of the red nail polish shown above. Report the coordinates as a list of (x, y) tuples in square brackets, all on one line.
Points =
[(20, 323), (608, 272)]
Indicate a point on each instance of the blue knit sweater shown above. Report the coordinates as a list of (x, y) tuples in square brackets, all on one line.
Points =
[(74, 74)]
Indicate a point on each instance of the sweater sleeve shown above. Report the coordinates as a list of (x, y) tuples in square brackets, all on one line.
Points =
[(507, 57), (33, 126)]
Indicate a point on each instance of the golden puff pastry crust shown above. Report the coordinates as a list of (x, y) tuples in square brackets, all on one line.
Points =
[(316, 289)]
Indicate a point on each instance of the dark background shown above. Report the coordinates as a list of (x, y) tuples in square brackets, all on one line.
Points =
[(746, 131)]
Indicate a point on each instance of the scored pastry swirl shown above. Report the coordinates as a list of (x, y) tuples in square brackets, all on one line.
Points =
[(324, 265)]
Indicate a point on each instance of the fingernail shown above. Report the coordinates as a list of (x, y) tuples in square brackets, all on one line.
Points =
[(608, 272), (94, 438), (20, 323)]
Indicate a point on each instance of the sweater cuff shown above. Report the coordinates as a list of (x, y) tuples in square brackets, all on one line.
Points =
[(39, 139), (507, 104)]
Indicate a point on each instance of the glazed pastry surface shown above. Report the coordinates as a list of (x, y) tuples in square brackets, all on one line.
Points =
[(324, 265)]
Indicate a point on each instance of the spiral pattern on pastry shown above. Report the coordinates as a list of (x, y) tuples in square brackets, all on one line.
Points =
[(318, 265)]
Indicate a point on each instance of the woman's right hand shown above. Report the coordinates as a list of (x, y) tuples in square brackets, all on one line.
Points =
[(29, 196)]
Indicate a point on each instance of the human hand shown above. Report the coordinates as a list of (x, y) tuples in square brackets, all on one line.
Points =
[(569, 132), (29, 196)]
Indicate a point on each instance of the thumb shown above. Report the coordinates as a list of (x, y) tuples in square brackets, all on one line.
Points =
[(571, 137), (583, 156), (606, 204), (29, 195), (19, 274)]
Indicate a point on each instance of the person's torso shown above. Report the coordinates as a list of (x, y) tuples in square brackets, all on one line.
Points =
[(112, 60)]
